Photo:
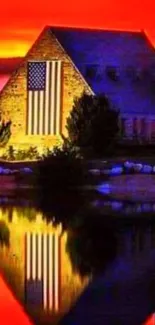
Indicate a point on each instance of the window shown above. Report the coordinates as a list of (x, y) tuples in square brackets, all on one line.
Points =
[(91, 71), (134, 73), (112, 73)]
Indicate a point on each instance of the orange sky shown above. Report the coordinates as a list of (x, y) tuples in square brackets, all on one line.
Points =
[(22, 21)]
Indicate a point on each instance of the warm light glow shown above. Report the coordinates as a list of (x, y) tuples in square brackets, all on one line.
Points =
[(151, 320), (10, 309), (20, 27), (13, 48)]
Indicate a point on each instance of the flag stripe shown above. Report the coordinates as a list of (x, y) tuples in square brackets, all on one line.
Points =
[(58, 98), (49, 104), (45, 272), (33, 102), (36, 108), (39, 256), (47, 97), (50, 272), (43, 121), (28, 256), (38, 113), (29, 111), (41, 112), (55, 96), (56, 277)]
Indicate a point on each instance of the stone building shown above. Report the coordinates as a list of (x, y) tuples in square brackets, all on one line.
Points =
[(64, 62)]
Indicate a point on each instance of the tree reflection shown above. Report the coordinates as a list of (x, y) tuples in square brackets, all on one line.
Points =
[(4, 234), (62, 206), (91, 243)]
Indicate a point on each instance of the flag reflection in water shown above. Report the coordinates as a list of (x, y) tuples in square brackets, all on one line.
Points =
[(42, 270)]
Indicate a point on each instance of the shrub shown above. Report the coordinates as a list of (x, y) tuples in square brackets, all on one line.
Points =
[(5, 132), (61, 168), (93, 125), (4, 234), (29, 154)]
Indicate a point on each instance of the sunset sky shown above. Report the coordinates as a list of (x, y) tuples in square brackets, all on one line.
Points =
[(22, 21)]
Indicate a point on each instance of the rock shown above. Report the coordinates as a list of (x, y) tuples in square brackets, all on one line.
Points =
[(104, 188), (128, 164), (137, 167), (94, 171), (26, 170), (147, 169), (7, 171), (1, 171), (116, 171)]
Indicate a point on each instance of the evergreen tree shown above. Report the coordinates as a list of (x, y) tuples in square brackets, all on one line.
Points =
[(93, 125), (5, 132)]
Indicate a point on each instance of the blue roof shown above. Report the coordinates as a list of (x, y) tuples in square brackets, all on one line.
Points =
[(128, 56)]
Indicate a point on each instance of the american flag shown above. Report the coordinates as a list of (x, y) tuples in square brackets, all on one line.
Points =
[(44, 98), (42, 268)]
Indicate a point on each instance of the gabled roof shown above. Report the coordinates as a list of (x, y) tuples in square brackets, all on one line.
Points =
[(121, 50)]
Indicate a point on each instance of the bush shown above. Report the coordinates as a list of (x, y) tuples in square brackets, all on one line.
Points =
[(29, 154), (4, 234), (5, 132), (93, 125), (61, 168)]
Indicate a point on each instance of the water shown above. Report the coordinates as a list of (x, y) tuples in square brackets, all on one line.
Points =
[(53, 254), (36, 265)]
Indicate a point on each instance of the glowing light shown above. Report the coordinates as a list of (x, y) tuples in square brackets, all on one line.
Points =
[(150, 320), (104, 188), (13, 48)]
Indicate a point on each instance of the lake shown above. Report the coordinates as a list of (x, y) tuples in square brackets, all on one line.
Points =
[(51, 255)]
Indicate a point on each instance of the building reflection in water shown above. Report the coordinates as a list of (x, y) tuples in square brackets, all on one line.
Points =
[(47, 283), (42, 270), (36, 262)]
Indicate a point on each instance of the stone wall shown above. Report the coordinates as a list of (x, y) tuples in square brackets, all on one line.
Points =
[(13, 98)]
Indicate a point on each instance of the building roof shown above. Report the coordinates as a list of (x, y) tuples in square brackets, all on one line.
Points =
[(120, 64)]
